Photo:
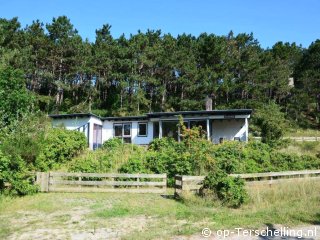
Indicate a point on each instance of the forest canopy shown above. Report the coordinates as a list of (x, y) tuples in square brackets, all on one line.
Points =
[(151, 71)]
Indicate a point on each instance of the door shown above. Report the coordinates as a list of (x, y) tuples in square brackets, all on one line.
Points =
[(97, 136)]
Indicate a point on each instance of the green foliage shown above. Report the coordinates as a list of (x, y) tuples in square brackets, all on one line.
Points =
[(135, 73), (112, 143), (14, 176), (229, 190), (14, 97), (29, 144), (60, 146), (113, 157), (135, 165), (272, 122), (91, 162), (202, 157), (186, 158)]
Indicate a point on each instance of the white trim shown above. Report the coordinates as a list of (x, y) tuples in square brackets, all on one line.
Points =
[(208, 129)]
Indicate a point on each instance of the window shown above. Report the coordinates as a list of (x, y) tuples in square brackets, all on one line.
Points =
[(156, 130), (118, 130), (170, 129), (142, 129), (122, 131)]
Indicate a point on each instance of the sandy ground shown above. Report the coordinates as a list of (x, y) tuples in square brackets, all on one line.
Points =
[(77, 223), (75, 227)]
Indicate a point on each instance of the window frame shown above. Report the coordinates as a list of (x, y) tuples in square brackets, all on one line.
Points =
[(146, 135), (122, 131), (114, 130)]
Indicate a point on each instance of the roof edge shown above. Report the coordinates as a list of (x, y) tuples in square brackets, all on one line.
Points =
[(156, 114)]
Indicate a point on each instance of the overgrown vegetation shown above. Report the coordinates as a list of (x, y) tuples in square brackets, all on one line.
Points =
[(229, 190), (29, 144)]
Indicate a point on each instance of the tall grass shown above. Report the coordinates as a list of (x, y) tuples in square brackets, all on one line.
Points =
[(104, 160), (303, 133), (303, 148)]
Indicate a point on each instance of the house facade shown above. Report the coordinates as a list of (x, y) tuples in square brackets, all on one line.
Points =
[(217, 125)]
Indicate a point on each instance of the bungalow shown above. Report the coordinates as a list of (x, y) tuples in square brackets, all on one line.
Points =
[(218, 125)]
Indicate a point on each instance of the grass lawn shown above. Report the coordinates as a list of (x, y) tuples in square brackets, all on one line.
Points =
[(151, 216), (303, 148), (303, 133)]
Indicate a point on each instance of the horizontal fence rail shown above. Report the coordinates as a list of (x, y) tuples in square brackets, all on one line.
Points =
[(101, 182), (194, 183), (298, 139)]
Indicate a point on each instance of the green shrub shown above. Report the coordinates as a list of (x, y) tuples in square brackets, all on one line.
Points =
[(162, 144), (170, 162), (134, 165), (229, 190), (15, 177), (112, 143), (60, 146), (91, 162), (271, 121), (109, 159)]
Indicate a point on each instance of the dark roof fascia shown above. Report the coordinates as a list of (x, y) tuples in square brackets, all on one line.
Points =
[(128, 118), (212, 112), (157, 114), (74, 115)]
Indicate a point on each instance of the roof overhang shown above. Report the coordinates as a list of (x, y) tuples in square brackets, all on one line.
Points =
[(213, 114), (230, 112)]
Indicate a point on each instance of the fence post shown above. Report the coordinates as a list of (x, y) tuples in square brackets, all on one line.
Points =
[(165, 183), (43, 181)]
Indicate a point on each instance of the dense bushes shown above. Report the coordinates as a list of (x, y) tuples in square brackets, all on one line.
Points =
[(112, 157), (29, 144), (112, 144), (271, 121), (229, 190), (202, 157), (14, 176), (60, 146), (169, 156)]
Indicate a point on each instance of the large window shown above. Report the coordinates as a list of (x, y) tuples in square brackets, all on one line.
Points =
[(199, 123), (170, 129), (142, 129), (122, 131)]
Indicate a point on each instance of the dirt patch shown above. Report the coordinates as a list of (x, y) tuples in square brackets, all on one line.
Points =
[(73, 224)]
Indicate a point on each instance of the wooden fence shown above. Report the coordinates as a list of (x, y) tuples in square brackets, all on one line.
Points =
[(101, 182), (194, 183), (298, 139)]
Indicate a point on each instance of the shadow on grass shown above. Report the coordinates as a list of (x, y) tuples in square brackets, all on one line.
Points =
[(168, 196), (315, 219)]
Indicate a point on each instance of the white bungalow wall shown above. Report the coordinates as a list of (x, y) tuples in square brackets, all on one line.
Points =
[(139, 139), (74, 123), (229, 129), (107, 132), (221, 128)]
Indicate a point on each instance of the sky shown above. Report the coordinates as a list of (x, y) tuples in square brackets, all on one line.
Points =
[(269, 20)]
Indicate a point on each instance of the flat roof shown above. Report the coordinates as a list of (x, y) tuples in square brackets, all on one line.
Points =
[(73, 115), (157, 114), (203, 112)]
